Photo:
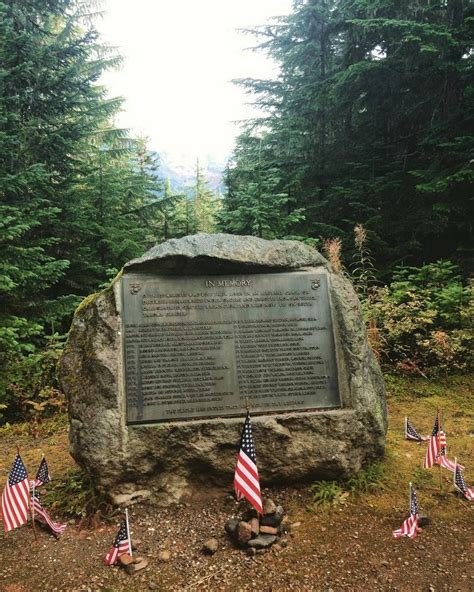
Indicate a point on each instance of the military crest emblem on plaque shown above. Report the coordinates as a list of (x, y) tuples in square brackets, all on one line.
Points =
[(135, 288), (315, 284)]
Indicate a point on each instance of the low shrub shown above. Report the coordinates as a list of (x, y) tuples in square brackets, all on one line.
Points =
[(73, 496), (30, 390), (421, 323), (330, 494)]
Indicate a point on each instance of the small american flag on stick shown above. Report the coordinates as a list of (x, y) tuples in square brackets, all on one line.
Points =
[(120, 546), (442, 459), (412, 434), (246, 480), (42, 475), (433, 446), (409, 527), (15, 496), (44, 518), (459, 483)]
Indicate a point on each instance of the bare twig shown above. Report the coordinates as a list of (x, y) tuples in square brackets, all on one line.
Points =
[(206, 578)]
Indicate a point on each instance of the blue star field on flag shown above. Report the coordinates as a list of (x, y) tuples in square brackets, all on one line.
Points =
[(42, 476), (247, 444)]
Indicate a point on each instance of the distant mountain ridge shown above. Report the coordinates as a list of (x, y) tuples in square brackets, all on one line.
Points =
[(181, 171)]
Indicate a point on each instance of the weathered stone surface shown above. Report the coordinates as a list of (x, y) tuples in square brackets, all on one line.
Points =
[(210, 546), (231, 527), (268, 530), (169, 459), (136, 566), (125, 559), (225, 253), (251, 551), (244, 532), (269, 506), (273, 519), (255, 526), (262, 541)]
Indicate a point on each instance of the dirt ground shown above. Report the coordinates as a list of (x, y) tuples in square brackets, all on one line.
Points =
[(347, 547)]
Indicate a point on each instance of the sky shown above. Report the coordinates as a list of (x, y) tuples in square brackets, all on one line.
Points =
[(179, 59)]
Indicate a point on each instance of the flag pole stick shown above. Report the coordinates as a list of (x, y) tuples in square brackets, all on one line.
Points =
[(33, 505), (30, 504), (406, 426), (454, 474), (32, 511), (247, 406), (409, 497), (439, 448), (128, 532)]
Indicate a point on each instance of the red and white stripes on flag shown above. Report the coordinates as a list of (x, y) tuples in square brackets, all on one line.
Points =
[(434, 448), (442, 459), (44, 518), (120, 546), (16, 496), (432, 452), (246, 480), (409, 528)]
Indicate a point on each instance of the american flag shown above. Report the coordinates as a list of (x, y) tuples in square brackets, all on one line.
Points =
[(411, 433), (442, 459), (410, 526), (15, 496), (120, 546), (246, 481), (433, 446), (42, 476), (43, 517), (459, 482)]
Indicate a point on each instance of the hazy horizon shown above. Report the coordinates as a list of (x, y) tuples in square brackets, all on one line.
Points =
[(179, 60)]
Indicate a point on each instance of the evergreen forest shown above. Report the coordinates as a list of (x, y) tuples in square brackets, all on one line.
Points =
[(363, 149)]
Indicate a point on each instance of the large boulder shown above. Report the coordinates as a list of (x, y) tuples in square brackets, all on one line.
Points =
[(169, 460)]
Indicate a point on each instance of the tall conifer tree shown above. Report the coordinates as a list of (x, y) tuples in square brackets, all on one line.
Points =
[(366, 123)]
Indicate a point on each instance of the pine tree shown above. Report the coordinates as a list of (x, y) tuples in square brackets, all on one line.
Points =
[(205, 205), (255, 203), (366, 123), (70, 185)]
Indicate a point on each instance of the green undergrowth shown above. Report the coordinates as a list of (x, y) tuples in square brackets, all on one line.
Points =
[(456, 388), (73, 496), (36, 427), (384, 485), (327, 494)]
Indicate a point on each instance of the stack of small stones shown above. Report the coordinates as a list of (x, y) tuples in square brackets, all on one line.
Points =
[(257, 534), (132, 564)]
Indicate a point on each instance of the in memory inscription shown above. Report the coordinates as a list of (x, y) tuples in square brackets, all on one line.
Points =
[(197, 346)]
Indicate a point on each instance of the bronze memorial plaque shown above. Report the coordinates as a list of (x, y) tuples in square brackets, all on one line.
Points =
[(197, 346)]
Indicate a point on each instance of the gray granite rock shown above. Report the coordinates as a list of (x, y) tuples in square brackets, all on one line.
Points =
[(231, 527), (262, 541), (169, 460), (273, 519), (225, 253)]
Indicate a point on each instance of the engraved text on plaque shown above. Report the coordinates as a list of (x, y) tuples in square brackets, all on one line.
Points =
[(197, 346)]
